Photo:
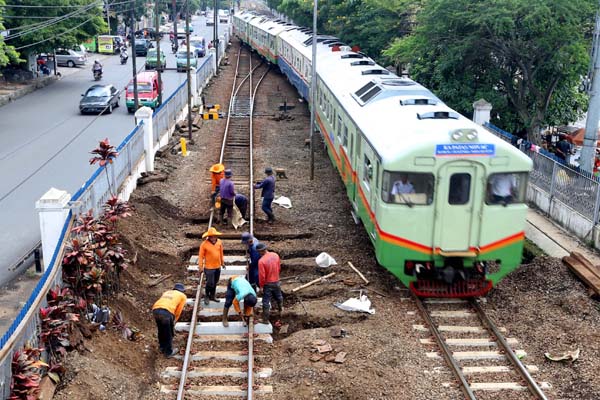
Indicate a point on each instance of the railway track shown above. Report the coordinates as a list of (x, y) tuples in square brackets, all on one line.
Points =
[(219, 361), (481, 359)]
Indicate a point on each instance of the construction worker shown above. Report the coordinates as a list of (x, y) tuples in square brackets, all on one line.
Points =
[(227, 192), (252, 256), (239, 289), (211, 260), (269, 267), (167, 311), (241, 202), (268, 194), (216, 174)]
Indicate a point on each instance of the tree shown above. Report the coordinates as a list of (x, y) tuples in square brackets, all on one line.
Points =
[(356, 22), (7, 53), (524, 56), (50, 24)]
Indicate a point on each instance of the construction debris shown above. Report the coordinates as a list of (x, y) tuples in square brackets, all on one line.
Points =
[(340, 357), (566, 356), (359, 304), (159, 280), (151, 177), (313, 282), (584, 269), (359, 273)]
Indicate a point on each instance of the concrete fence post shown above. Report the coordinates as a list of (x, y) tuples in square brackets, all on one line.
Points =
[(53, 211), (145, 114), (194, 86), (481, 112)]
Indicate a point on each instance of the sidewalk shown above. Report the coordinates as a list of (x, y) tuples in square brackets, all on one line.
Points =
[(553, 240)]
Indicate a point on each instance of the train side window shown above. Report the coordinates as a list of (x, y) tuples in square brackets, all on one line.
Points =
[(506, 188), (460, 189), (367, 171), (410, 188), (345, 137), (339, 127)]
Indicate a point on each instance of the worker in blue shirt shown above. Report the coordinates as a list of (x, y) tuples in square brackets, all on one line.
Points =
[(268, 193), (253, 256), (238, 290)]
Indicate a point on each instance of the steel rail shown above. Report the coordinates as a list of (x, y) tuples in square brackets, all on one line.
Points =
[(446, 353), (190, 340), (534, 388), (186, 359), (250, 390)]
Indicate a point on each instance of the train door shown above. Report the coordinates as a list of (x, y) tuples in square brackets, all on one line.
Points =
[(458, 206), (368, 185)]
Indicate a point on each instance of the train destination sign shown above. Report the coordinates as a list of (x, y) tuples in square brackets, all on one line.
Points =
[(465, 149)]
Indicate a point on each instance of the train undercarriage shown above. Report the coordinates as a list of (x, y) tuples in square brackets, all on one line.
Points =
[(452, 280)]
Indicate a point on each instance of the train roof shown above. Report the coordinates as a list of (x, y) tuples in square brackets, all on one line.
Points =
[(396, 114)]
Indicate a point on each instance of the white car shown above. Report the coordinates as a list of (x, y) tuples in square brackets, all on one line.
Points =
[(210, 19)]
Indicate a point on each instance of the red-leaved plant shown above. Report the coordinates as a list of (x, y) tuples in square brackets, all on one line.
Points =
[(26, 374), (63, 309), (105, 153)]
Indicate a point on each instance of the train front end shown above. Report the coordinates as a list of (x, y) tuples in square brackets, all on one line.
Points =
[(452, 225)]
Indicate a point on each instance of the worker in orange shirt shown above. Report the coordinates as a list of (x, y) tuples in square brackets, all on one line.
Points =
[(167, 311), (217, 172), (269, 267), (210, 260)]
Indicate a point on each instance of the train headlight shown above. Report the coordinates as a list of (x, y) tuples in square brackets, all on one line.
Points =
[(456, 135), (472, 135), (463, 135)]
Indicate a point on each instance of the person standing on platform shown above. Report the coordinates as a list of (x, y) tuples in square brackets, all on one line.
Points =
[(211, 260), (166, 312), (268, 194)]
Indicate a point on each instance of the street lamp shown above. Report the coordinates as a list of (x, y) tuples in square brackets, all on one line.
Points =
[(313, 91)]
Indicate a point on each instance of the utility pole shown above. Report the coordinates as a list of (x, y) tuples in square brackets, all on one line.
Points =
[(175, 25), (189, 78), (588, 152), (158, 65), (313, 92), (133, 63), (108, 15), (216, 35)]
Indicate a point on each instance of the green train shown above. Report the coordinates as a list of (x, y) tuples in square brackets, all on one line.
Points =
[(442, 199)]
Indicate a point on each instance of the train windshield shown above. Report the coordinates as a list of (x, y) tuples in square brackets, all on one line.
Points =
[(410, 188), (506, 188)]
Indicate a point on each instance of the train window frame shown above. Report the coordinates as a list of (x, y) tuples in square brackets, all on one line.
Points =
[(518, 190), (459, 196), (422, 183)]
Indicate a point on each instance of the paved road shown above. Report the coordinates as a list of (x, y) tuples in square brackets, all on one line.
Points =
[(35, 128)]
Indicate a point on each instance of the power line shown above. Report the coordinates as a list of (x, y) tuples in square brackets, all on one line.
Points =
[(42, 25), (51, 22), (38, 6), (57, 35)]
